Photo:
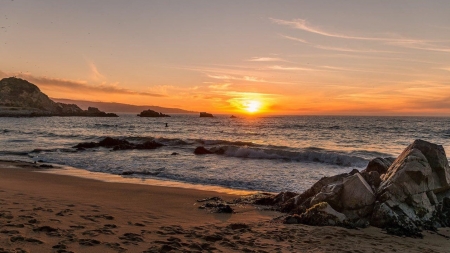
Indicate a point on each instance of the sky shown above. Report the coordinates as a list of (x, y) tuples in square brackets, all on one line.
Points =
[(302, 57)]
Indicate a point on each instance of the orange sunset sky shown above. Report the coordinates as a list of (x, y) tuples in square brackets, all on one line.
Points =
[(350, 57)]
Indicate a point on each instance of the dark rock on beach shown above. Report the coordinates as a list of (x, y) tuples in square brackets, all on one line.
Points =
[(20, 98), (151, 113), (403, 196)]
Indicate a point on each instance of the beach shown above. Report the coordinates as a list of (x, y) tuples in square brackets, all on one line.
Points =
[(47, 212)]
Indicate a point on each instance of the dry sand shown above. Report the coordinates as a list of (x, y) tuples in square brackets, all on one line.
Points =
[(42, 212)]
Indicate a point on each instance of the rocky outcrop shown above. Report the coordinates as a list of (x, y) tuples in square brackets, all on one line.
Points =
[(152, 114), (117, 144), (20, 98), (206, 115), (202, 151), (403, 196)]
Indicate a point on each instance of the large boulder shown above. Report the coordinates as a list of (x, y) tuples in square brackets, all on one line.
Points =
[(380, 165), (322, 214), (412, 194), (408, 193)]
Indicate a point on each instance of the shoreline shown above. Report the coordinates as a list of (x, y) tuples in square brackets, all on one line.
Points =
[(66, 170), (46, 212)]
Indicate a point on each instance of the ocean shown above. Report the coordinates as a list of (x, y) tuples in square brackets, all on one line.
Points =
[(266, 153)]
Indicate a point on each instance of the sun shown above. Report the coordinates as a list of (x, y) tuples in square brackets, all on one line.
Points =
[(252, 106)]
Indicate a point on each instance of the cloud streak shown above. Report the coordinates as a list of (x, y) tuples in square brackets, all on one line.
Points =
[(265, 59), (338, 49), (302, 25), (278, 67), (80, 86)]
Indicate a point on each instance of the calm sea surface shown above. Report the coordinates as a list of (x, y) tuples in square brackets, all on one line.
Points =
[(262, 153)]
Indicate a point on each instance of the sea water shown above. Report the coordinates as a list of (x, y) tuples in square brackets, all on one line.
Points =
[(267, 153)]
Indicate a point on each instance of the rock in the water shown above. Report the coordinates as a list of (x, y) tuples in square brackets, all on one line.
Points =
[(206, 115), (202, 151), (118, 144), (151, 113)]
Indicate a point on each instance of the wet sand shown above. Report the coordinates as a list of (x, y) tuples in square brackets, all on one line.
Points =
[(46, 212)]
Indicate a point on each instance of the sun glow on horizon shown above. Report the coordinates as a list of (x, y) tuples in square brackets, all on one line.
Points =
[(252, 106)]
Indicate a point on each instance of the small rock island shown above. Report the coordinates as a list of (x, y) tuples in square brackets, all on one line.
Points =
[(20, 98), (151, 113), (206, 115)]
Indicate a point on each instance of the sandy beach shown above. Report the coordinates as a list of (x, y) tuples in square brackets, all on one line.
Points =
[(45, 212)]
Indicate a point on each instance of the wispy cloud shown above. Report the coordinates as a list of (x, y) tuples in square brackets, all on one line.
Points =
[(338, 49), (351, 50), (303, 25), (223, 86), (265, 59), (420, 45), (79, 86), (295, 39), (278, 67), (95, 74)]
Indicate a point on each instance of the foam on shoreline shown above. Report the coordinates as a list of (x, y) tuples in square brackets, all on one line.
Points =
[(111, 178)]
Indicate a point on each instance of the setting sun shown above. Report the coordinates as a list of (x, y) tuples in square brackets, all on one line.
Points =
[(252, 106)]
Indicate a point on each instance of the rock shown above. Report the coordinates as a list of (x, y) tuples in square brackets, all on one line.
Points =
[(373, 178), (331, 194), (407, 196), (202, 151), (149, 145), (151, 113), (356, 193), (206, 115), (233, 117), (380, 165), (118, 144), (20, 98), (109, 142), (322, 214), (301, 202)]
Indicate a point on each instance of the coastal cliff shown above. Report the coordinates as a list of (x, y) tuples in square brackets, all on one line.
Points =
[(20, 98)]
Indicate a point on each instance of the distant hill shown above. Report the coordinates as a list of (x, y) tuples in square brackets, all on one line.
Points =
[(121, 108), (20, 98)]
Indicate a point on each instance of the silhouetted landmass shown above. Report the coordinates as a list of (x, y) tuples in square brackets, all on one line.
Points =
[(20, 98), (206, 115), (152, 114), (121, 108)]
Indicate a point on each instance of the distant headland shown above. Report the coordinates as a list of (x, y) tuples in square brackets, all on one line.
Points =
[(20, 98)]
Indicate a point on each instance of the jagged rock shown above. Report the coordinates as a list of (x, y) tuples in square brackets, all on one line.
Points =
[(407, 196), (299, 203), (151, 113), (380, 165), (202, 151), (206, 115), (356, 193), (373, 178), (331, 194), (321, 214), (411, 194)]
